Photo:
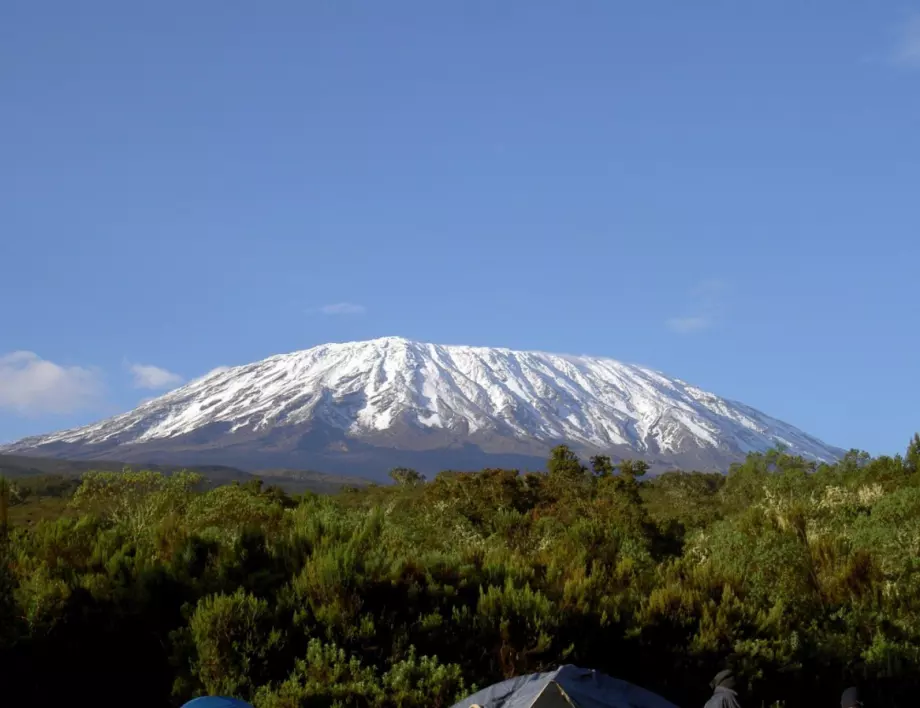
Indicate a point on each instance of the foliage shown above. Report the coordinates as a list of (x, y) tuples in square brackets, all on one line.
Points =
[(406, 477), (803, 577), (233, 641)]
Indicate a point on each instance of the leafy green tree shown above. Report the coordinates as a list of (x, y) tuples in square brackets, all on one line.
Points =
[(518, 624), (423, 682), (601, 466), (9, 616), (626, 482), (233, 641), (135, 500), (632, 470), (912, 459), (4, 501), (406, 477), (564, 464), (326, 676)]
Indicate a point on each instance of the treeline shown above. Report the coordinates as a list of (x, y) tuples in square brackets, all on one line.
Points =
[(150, 590)]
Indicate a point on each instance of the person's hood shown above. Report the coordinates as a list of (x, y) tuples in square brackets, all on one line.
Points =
[(724, 679)]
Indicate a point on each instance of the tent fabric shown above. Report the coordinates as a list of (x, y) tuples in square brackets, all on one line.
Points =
[(552, 697), (216, 702), (586, 688)]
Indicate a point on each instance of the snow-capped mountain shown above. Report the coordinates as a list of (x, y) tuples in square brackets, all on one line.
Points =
[(364, 406)]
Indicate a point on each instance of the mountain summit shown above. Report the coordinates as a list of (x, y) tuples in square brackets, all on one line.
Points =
[(363, 407)]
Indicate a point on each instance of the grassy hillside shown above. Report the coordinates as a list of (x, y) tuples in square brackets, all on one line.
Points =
[(293, 481)]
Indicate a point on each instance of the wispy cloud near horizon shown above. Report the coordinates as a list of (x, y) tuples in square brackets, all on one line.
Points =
[(706, 308), (342, 309), (153, 377), (30, 385)]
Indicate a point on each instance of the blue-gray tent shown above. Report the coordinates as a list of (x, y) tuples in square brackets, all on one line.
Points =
[(566, 687)]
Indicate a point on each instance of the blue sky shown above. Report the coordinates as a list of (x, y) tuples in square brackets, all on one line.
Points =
[(729, 193)]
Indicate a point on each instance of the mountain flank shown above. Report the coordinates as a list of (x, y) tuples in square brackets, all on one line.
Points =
[(361, 408)]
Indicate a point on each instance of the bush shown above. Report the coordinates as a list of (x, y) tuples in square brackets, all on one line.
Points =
[(802, 577)]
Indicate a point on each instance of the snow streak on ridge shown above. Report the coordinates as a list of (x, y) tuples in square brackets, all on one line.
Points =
[(369, 387)]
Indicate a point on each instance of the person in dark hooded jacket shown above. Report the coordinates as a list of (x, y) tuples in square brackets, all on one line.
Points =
[(850, 698), (724, 694)]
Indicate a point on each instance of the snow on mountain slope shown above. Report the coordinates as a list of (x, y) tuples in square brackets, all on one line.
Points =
[(494, 397)]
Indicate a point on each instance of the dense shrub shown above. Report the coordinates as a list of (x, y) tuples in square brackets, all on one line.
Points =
[(803, 577)]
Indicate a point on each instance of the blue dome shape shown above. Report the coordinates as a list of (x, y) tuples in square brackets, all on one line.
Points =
[(216, 702), (565, 687)]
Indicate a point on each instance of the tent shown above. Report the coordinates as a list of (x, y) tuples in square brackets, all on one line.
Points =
[(566, 687)]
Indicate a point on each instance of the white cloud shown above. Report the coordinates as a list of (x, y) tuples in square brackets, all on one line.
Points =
[(153, 377), (343, 308), (30, 385), (908, 48), (706, 305)]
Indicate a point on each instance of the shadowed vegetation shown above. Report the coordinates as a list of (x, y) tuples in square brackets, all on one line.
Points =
[(804, 578)]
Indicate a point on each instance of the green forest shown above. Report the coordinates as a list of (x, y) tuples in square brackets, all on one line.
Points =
[(148, 589)]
